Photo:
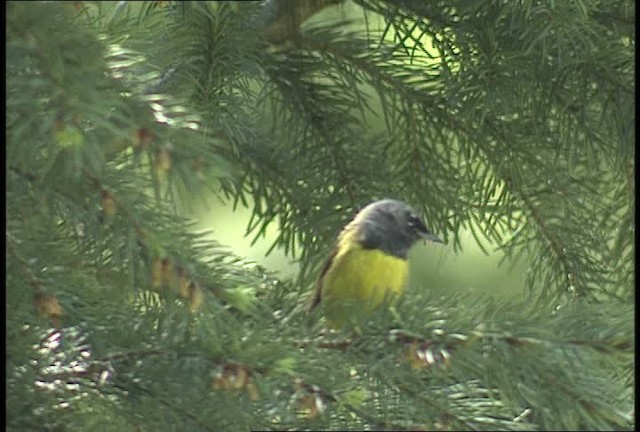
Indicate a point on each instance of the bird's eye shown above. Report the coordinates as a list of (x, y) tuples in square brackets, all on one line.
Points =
[(416, 223)]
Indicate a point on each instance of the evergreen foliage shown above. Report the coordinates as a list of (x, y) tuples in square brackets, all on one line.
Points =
[(513, 119)]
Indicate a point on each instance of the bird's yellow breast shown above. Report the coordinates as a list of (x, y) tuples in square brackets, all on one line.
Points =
[(359, 280)]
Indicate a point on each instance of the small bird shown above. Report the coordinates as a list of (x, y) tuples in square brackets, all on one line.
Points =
[(369, 262)]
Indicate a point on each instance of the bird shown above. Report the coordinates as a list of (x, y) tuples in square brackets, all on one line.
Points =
[(368, 264)]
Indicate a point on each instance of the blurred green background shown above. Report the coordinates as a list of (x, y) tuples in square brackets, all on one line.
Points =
[(438, 266)]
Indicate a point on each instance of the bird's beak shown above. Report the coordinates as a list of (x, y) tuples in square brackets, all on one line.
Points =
[(431, 237)]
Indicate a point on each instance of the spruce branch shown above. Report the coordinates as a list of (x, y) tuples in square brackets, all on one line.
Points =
[(481, 114)]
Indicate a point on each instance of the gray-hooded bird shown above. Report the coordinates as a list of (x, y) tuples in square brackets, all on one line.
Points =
[(369, 262)]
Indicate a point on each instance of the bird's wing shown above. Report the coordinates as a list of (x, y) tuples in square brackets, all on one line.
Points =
[(317, 295)]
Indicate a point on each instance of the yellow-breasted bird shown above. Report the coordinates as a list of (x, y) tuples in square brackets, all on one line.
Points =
[(369, 262)]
